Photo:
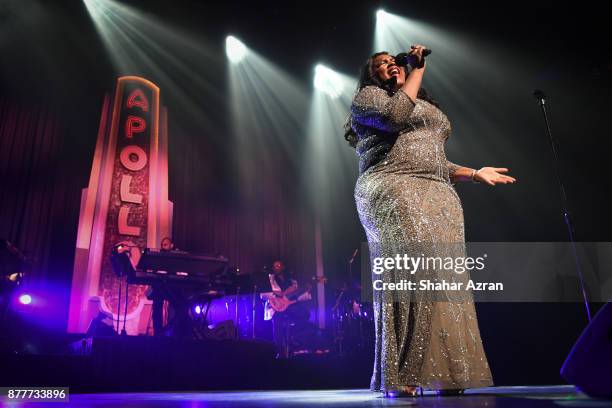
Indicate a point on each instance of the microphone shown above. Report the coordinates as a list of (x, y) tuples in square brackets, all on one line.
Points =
[(404, 59), (540, 96)]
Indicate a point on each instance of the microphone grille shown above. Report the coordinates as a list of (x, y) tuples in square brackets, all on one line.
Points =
[(539, 94)]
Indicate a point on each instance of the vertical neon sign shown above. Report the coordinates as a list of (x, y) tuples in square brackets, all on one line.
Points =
[(126, 201)]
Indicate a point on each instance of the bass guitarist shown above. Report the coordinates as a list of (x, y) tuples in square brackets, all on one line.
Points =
[(286, 306)]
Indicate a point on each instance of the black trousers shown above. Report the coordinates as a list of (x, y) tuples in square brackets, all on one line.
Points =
[(288, 325)]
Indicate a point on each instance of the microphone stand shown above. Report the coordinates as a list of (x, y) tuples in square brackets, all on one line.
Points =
[(541, 97), (350, 265), (127, 285), (119, 306), (254, 307)]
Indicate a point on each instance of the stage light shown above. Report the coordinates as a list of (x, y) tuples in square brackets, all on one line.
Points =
[(267, 107), (167, 53), (381, 14), (25, 299), (197, 309), (328, 81), (330, 161), (235, 49)]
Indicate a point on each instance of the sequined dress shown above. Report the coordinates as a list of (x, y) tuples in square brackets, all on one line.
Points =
[(404, 197)]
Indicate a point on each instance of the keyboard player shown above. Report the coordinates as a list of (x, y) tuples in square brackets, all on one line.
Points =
[(159, 294)]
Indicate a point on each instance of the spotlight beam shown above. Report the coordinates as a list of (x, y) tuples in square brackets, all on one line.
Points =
[(235, 49), (141, 44)]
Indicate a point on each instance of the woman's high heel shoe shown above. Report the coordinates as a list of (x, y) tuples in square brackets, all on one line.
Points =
[(403, 392)]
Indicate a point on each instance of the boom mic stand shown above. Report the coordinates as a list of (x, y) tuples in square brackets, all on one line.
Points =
[(541, 97)]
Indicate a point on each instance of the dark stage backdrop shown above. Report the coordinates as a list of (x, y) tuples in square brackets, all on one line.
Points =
[(41, 177), (213, 215)]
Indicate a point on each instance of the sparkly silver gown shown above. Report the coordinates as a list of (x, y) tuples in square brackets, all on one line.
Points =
[(404, 196)]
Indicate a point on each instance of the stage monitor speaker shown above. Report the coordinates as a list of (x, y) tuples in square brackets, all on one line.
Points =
[(589, 364)]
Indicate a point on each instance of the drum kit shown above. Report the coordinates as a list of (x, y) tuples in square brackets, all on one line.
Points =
[(353, 321)]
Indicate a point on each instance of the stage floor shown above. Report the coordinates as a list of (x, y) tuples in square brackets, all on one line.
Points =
[(546, 396)]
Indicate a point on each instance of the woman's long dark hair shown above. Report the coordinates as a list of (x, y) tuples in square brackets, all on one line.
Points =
[(367, 78)]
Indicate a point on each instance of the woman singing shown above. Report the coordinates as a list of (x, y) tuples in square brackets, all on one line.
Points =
[(404, 196)]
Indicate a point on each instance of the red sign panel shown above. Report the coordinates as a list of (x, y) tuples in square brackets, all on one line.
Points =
[(134, 130)]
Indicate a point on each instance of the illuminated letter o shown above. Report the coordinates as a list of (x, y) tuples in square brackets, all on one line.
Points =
[(127, 162)]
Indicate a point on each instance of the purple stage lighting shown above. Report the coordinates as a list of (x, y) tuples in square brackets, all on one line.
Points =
[(198, 309), (25, 299)]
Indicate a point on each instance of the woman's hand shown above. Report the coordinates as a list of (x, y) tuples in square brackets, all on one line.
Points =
[(412, 84), (493, 176), (417, 52)]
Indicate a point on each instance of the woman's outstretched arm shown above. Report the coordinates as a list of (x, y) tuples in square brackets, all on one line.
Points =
[(487, 175)]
